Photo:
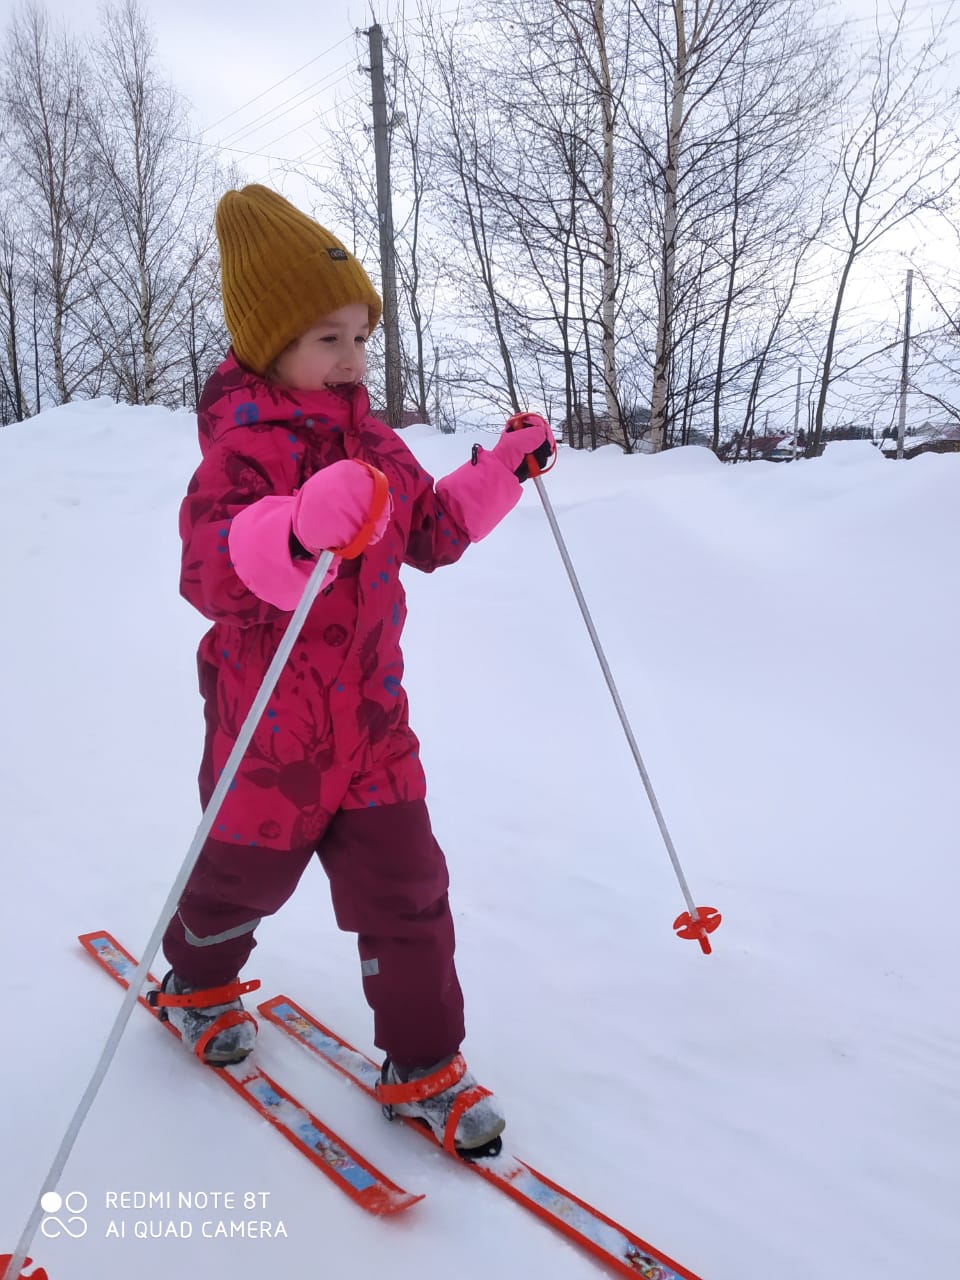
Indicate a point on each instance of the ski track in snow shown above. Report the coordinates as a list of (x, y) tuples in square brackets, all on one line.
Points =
[(784, 640)]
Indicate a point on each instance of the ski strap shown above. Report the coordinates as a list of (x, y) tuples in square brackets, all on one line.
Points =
[(463, 1102), (425, 1086), (231, 1018), (204, 997), (429, 1086)]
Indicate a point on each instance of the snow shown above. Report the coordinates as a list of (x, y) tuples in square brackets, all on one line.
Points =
[(784, 639)]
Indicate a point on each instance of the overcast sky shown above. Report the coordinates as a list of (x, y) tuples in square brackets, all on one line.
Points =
[(223, 55)]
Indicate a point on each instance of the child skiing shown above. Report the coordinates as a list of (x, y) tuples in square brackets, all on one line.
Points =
[(291, 462)]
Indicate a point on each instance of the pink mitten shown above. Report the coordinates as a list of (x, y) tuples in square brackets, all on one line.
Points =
[(329, 512), (259, 542), (534, 436), (485, 489), (334, 507)]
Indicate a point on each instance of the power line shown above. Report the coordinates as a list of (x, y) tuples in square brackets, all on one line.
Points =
[(282, 108), (296, 128), (263, 155), (237, 134), (319, 146), (257, 155), (271, 88)]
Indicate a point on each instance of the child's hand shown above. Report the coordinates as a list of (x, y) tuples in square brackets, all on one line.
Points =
[(535, 436), (335, 505)]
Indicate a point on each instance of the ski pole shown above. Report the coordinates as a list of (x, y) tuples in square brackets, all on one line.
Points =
[(139, 977), (696, 922)]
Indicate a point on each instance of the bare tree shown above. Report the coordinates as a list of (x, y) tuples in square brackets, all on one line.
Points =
[(13, 400), (733, 88), (198, 319), (896, 109), (524, 161), (547, 190), (586, 23), (936, 372), (420, 248), (158, 186), (779, 86), (48, 158), (469, 154)]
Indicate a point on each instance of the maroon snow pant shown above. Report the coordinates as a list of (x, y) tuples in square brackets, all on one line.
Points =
[(388, 880)]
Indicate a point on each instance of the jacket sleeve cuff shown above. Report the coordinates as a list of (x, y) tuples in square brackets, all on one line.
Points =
[(259, 543), (479, 495)]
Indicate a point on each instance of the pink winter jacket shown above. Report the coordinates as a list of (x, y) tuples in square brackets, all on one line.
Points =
[(335, 733)]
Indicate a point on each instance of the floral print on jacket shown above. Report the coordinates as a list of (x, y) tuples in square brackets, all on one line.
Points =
[(335, 733)]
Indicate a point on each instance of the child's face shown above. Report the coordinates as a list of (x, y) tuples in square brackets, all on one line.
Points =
[(331, 353)]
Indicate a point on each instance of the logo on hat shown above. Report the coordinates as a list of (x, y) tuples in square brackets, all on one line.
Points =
[(340, 255)]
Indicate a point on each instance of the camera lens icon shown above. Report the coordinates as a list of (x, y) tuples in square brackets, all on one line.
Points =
[(64, 1215)]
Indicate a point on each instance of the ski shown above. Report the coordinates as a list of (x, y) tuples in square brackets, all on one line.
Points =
[(364, 1184), (613, 1245)]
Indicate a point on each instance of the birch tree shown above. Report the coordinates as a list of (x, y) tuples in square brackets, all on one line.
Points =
[(737, 90), (46, 147), (586, 24), (531, 111)]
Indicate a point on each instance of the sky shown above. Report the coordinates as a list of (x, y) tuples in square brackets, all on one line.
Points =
[(238, 64)]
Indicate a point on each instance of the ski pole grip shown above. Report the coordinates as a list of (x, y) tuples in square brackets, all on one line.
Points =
[(381, 496), (540, 462)]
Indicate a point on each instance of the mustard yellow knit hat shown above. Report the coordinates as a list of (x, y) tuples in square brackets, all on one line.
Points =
[(280, 272)]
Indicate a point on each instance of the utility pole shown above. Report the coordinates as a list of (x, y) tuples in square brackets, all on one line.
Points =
[(388, 267), (796, 417), (905, 368)]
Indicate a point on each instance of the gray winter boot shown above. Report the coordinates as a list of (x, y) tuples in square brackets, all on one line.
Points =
[(464, 1117), (209, 1020)]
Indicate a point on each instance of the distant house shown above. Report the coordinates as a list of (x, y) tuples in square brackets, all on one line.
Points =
[(930, 438), (783, 451), (775, 447), (408, 417)]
